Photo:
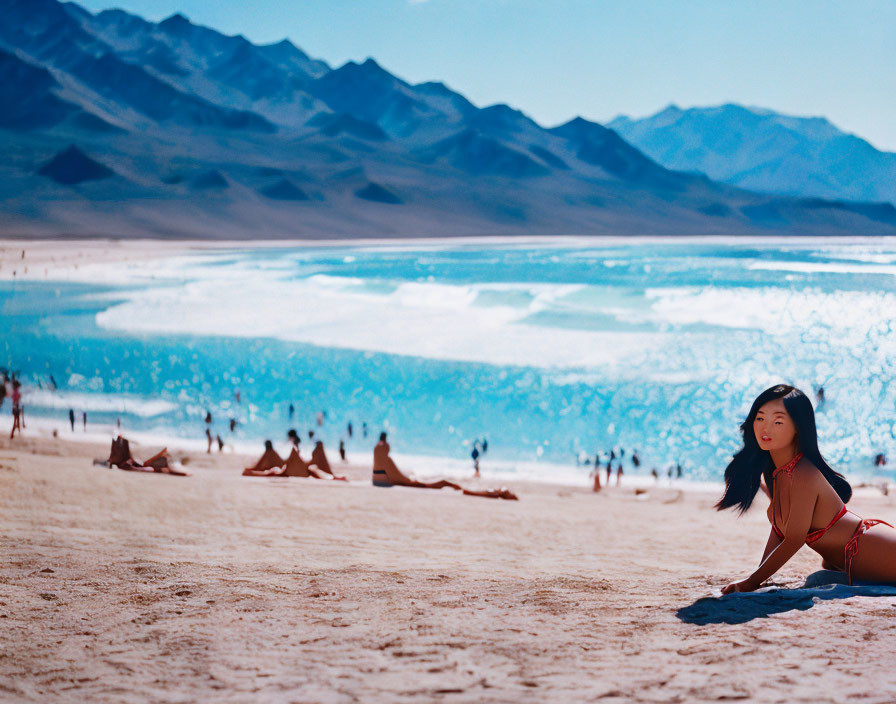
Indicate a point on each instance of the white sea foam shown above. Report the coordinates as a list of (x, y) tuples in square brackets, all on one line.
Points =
[(829, 267), (771, 309), (456, 322), (433, 320), (96, 402), (233, 293)]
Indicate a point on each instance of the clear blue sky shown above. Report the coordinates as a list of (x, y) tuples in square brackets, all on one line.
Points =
[(555, 59)]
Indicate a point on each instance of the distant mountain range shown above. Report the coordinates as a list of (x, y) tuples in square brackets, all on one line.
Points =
[(115, 126), (765, 151)]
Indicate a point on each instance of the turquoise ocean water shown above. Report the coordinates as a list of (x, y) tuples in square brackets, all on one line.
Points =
[(548, 349)]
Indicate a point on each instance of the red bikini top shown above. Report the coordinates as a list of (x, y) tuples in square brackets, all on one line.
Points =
[(815, 534)]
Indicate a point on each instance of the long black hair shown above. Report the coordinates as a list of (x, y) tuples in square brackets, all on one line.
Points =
[(743, 473)]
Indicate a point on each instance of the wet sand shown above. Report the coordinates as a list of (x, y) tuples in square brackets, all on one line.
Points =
[(124, 587)]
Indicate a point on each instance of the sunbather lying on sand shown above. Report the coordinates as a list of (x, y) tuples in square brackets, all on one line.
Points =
[(297, 467), (272, 465), (268, 465), (120, 456), (319, 460), (387, 474)]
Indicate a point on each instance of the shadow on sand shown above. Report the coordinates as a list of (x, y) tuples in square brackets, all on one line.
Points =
[(823, 585)]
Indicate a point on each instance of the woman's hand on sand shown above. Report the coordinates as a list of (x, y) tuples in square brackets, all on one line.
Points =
[(745, 585)]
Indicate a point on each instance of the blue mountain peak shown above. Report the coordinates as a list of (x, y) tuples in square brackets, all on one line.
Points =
[(176, 23)]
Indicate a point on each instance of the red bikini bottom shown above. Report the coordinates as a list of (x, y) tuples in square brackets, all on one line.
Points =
[(852, 547)]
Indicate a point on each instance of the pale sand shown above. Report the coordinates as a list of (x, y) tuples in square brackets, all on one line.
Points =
[(221, 588)]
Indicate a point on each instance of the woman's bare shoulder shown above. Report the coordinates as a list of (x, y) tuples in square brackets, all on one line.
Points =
[(807, 474)]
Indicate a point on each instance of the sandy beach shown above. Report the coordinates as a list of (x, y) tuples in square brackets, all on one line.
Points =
[(123, 587)]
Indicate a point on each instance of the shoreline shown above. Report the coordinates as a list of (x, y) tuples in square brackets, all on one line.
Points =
[(421, 465), (426, 467)]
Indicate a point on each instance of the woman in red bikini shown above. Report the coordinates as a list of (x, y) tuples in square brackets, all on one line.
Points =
[(808, 498)]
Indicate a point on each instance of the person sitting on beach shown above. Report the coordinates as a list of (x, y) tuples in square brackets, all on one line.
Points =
[(319, 460), (808, 498), (297, 467), (267, 463), (120, 456), (387, 474)]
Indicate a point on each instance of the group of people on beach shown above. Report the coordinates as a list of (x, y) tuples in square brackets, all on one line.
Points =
[(385, 473), (271, 464), (780, 456), (616, 455)]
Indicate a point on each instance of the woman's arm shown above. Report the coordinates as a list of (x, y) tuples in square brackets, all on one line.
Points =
[(773, 542), (803, 495)]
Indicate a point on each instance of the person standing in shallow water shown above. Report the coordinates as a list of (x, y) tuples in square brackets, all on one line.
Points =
[(808, 498), (71, 418), (596, 486), (18, 412)]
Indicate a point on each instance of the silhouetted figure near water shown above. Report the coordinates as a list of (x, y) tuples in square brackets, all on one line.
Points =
[(220, 443), (880, 460), (635, 459), (208, 435), (71, 418), (18, 411), (292, 411), (619, 474), (349, 429), (655, 475), (208, 417), (84, 420), (364, 428), (342, 450), (233, 424), (475, 456), (678, 471), (609, 469)]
